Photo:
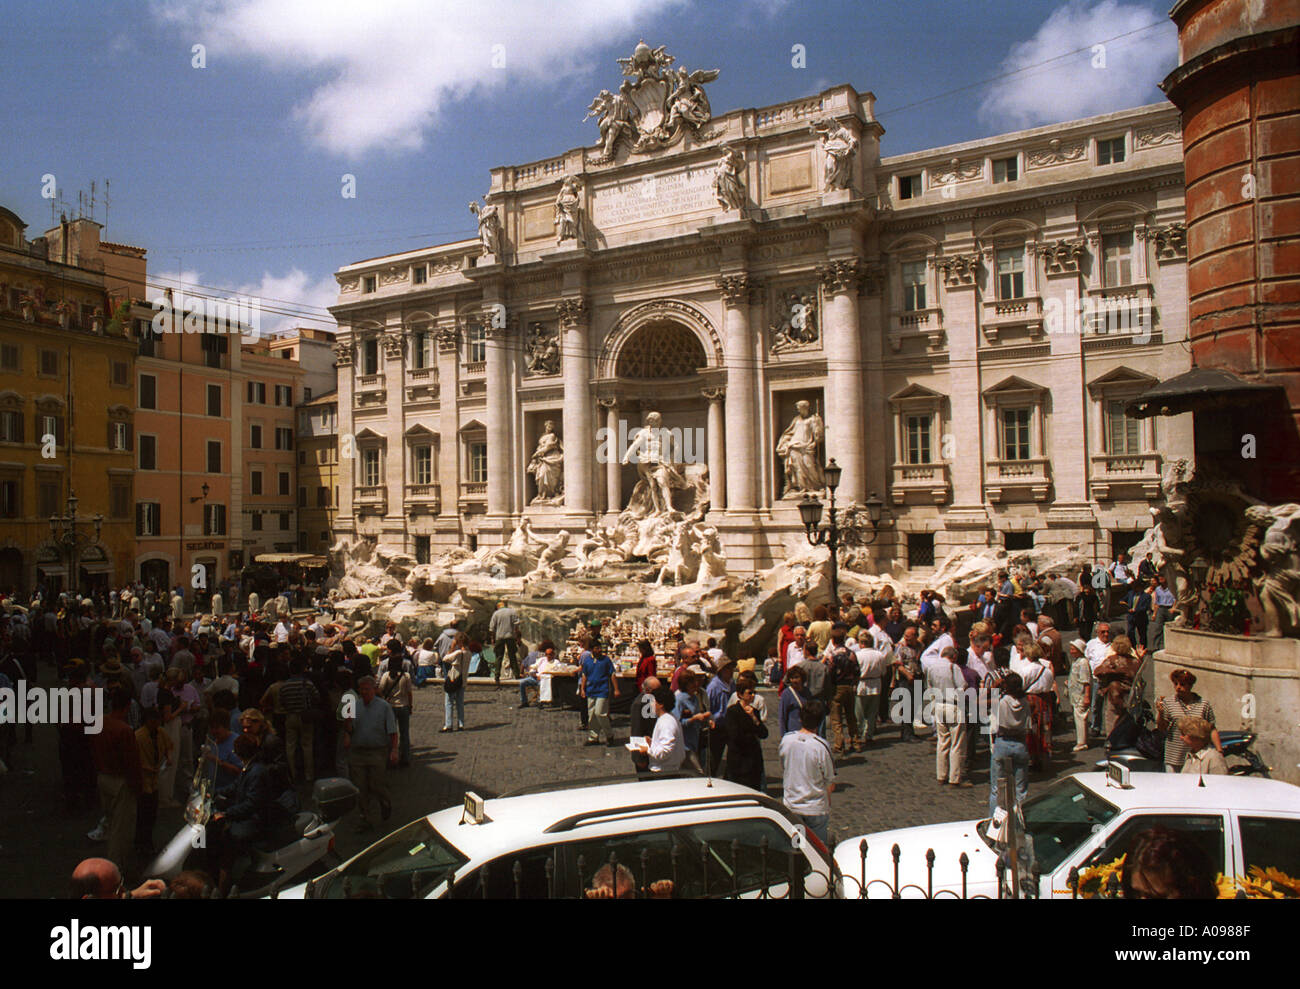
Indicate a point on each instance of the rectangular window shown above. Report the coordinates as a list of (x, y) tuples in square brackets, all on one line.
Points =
[(1015, 434), (214, 400), (255, 436), (284, 483), (11, 499), (419, 274), (50, 426), (909, 187), (476, 342), (11, 427), (370, 467), (214, 456), (284, 395), (370, 356), (147, 519), (49, 365), (1122, 435), (322, 498), (121, 372), (478, 463), (421, 549), (257, 392), (917, 430), (1110, 151), (148, 391), (148, 452), (284, 521), (119, 501), (325, 536), (215, 347), (283, 438), (423, 465), (1006, 169), (1117, 259), (256, 521), (121, 436), (1011, 273), (306, 394), (913, 285), (422, 350), (149, 340), (47, 499), (214, 520), (920, 549), (368, 283), (1016, 541), (302, 497), (255, 482), (10, 357)]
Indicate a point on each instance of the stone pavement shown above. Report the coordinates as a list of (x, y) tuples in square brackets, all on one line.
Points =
[(892, 785)]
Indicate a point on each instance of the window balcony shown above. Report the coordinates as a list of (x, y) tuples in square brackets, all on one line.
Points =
[(424, 497), (474, 368), (929, 481), (1017, 477), (916, 322), (370, 499), (422, 374), (1001, 314), (1125, 470)]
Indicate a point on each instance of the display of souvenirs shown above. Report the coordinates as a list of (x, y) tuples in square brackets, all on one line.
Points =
[(621, 636)]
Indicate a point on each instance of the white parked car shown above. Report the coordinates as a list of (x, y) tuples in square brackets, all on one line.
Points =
[(687, 838), (1083, 821)]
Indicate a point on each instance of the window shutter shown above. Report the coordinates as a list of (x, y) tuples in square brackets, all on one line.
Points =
[(110, 434), (58, 431), (130, 436), (139, 519), (18, 427)]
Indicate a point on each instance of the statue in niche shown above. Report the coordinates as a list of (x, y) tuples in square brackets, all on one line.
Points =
[(543, 356), (840, 146), (489, 227), (728, 180), (798, 447), (547, 467), (568, 212), (796, 324), (654, 450)]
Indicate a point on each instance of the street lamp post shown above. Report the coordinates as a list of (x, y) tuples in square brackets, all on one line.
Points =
[(810, 510), (70, 540)]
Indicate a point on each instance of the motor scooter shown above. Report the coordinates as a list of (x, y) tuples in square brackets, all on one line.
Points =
[(286, 853)]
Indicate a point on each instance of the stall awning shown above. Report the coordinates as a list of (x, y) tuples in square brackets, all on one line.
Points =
[(1197, 389), (302, 559)]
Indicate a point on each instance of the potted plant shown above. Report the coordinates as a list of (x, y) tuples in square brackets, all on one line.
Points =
[(28, 305), (121, 319), (63, 310), (1228, 612)]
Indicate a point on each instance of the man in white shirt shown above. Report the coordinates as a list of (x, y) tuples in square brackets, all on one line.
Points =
[(873, 664), (942, 640), (979, 656), (1096, 650), (281, 632), (808, 772), (945, 679), (1122, 576), (667, 748)]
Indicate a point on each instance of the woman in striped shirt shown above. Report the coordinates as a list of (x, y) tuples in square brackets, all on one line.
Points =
[(1171, 710)]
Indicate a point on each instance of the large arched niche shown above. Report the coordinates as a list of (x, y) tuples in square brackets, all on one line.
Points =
[(661, 339)]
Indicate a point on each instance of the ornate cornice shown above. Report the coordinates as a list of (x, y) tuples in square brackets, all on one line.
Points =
[(1171, 242), (447, 338), (393, 345), (958, 269), (1062, 256)]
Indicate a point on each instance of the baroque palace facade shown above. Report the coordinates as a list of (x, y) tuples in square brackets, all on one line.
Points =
[(965, 324)]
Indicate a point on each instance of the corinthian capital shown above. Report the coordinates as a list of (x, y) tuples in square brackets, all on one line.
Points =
[(343, 354), (572, 312), (840, 275), (736, 288)]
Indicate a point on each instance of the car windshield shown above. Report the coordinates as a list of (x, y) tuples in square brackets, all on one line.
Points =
[(1061, 818), (406, 865)]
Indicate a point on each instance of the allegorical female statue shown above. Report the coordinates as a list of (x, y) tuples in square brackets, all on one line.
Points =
[(568, 211), (547, 467), (798, 446)]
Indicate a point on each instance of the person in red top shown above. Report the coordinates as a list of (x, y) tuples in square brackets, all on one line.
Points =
[(647, 665), (117, 759), (788, 621)]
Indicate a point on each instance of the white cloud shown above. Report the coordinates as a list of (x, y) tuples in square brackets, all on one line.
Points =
[(388, 69), (1074, 86), (296, 292)]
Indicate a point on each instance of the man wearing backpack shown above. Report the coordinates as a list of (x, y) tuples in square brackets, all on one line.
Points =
[(301, 702)]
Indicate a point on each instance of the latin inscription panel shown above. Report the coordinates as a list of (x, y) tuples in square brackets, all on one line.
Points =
[(650, 197)]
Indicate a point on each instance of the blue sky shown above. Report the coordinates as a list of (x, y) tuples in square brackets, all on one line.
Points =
[(231, 174)]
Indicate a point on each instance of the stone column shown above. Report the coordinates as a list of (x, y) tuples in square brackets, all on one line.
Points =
[(613, 470), (717, 450), (500, 450), (578, 412), (450, 451), (347, 448), (741, 409), (842, 344), (394, 476)]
